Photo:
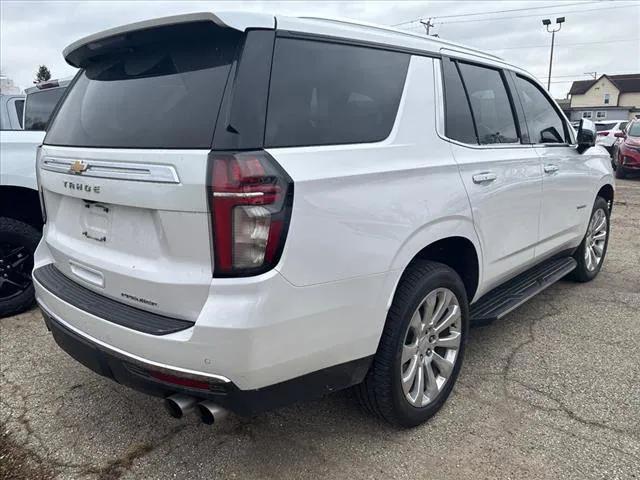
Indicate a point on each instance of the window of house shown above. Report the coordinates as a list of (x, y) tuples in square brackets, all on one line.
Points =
[(607, 97), (490, 104), (601, 115), (586, 114), (544, 123)]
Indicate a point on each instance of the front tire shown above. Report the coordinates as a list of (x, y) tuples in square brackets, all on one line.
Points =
[(18, 242), (591, 252), (421, 348)]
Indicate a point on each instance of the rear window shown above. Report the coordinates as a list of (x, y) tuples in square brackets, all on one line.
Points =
[(39, 107), (19, 104), (163, 93), (600, 127), (325, 93)]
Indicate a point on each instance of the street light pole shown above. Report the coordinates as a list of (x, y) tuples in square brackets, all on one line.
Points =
[(547, 23)]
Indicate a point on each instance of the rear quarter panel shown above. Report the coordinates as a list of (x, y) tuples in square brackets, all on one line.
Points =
[(366, 209)]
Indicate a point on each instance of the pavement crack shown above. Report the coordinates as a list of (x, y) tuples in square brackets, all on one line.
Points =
[(115, 468)]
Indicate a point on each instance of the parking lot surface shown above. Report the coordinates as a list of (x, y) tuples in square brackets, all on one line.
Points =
[(551, 391)]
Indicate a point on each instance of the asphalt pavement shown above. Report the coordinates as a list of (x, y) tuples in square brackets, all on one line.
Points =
[(551, 391)]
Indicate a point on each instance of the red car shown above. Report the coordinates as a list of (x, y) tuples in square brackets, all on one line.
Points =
[(627, 155)]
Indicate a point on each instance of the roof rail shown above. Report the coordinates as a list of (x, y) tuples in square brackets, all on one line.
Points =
[(397, 31)]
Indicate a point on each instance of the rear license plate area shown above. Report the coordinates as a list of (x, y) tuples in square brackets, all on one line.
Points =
[(95, 221)]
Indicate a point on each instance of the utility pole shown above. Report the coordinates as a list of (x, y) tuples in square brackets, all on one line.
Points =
[(427, 25), (546, 22)]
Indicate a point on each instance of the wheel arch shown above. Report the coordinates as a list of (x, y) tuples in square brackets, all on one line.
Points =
[(608, 193), (452, 242), (21, 203)]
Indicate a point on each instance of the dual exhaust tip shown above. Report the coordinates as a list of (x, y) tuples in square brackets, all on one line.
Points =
[(178, 405)]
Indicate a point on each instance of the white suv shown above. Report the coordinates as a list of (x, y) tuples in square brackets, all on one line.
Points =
[(245, 211), (607, 132)]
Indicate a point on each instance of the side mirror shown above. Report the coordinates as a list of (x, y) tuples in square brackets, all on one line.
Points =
[(586, 135), (620, 135)]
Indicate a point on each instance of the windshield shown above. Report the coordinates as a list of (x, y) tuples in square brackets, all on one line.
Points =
[(634, 130), (155, 95), (40, 106)]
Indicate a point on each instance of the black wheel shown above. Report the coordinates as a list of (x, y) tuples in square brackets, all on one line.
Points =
[(591, 252), (620, 173), (18, 242), (421, 348)]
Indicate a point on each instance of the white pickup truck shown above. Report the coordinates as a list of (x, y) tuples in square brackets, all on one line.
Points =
[(23, 124)]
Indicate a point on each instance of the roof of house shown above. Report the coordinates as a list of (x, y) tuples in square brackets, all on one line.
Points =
[(625, 83)]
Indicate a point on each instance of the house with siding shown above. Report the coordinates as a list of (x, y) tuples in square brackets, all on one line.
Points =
[(610, 97)]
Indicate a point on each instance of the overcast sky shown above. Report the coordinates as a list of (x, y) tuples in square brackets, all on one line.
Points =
[(607, 32)]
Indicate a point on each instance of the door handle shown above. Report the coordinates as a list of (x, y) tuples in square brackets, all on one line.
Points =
[(484, 177), (551, 168)]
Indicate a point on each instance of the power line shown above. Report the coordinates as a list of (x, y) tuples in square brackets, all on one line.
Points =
[(565, 44), (498, 11), (572, 12)]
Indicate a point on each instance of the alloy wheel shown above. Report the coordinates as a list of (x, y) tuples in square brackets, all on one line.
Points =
[(16, 263), (595, 240), (431, 347)]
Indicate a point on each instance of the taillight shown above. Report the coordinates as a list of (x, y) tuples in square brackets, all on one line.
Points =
[(603, 134), (250, 197)]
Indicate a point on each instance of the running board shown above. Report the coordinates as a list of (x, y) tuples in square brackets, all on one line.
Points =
[(510, 295)]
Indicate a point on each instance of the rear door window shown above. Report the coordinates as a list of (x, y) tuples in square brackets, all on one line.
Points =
[(458, 119), (164, 93), (325, 93), (543, 121), (39, 107), (490, 103)]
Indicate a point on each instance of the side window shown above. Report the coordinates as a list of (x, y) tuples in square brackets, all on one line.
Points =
[(40, 106), (490, 104), (543, 121), (19, 104), (622, 126), (324, 93), (458, 119)]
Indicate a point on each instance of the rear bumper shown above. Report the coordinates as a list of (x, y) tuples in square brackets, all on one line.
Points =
[(136, 374), (253, 333)]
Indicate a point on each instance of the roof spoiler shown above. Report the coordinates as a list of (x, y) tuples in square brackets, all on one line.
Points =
[(79, 51)]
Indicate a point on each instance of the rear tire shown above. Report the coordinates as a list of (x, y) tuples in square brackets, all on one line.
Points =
[(18, 242), (620, 173), (429, 314), (591, 253)]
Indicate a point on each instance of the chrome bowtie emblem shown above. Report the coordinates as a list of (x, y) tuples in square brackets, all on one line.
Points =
[(78, 167)]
